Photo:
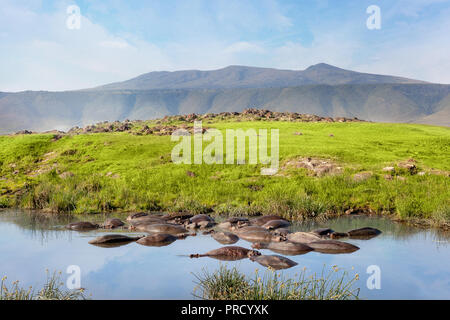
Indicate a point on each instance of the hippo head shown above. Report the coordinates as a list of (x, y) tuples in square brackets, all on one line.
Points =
[(278, 238), (252, 253), (257, 245)]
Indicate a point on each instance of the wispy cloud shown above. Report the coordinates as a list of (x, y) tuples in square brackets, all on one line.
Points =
[(119, 40)]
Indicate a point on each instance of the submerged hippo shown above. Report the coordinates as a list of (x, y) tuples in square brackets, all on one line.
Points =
[(282, 232), (136, 216), (264, 219), (146, 221), (303, 237), (225, 237), (229, 253), (284, 247), (274, 261), (162, 228), (82, 226), (332, 246), (113, 240), (275, 224), (201, 221), (159, 239), (258, 234), (364, 233), (338, 235), (323, 232), (113, 223), (234, 223), (178, 218)]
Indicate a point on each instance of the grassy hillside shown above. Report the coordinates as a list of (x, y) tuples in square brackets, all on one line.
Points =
[(126, 172)]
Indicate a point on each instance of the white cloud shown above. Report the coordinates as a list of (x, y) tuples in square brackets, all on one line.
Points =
[(38, 52)]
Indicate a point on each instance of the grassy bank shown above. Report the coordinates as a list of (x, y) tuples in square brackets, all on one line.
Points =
[(230, 284), (104, 172)]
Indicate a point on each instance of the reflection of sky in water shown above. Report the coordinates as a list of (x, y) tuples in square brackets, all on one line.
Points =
[(414, 264)]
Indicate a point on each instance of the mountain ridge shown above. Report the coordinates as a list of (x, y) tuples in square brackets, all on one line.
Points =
[(338, 93), (236, 76)]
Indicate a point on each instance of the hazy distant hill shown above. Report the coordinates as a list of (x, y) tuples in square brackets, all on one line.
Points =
[(250, 77), (321, 89)]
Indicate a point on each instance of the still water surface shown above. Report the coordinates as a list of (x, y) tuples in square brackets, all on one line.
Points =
[(414, 263)]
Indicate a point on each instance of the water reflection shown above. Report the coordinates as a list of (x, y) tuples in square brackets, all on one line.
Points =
[(414, 263)]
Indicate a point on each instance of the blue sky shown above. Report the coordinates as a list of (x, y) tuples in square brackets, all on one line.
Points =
[(122, 39)]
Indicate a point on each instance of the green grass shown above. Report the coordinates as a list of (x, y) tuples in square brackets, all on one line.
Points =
[(230, 284), (53, 289), (142, 176)]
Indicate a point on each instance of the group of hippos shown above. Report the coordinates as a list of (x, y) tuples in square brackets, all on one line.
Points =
[(266, 232)]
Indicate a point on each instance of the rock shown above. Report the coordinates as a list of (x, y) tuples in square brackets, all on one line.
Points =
[(362, 176), (411, 167), (190, 173), (66, 175)]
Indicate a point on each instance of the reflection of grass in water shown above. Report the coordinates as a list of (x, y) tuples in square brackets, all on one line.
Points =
[(53, 290), (230, 284)]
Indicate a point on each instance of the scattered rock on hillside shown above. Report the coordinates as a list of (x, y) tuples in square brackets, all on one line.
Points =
[(190, 173), (66, 175), (362, 176), (317, 167)]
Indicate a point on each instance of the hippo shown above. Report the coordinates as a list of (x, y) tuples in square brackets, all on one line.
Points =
[(159, 239), (202, 224), (284, 247), (82, 226), (162, 228), (258, 234), (303, 237), (113, 223), (113, 240), (282, 232), (274, 261), (275, 224), (229, 253), (332, 246), (200, 217), (264, 219), (137, 215), (225, 237), (323, 232), (338, 235), (234, 223), (364, 233), (178, 218)]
